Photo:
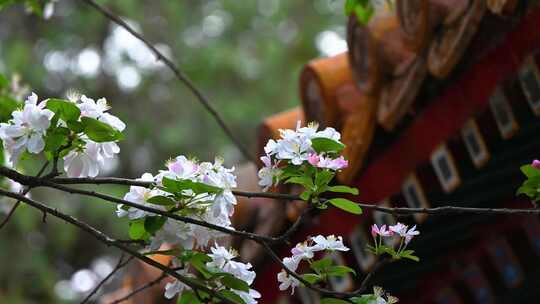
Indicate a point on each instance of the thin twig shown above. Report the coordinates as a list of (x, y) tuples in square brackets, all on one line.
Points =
[(179, 74), (121, 263), (115, 200), (39, 182), (300, 220), (139, 289), (291, 197), (192, 283), (363, 286), (24, 192)]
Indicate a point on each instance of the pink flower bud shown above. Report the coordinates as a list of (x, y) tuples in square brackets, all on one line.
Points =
[(536, 164), (314, 159), (374, 230)]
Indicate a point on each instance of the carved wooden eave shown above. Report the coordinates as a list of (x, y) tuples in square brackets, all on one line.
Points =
[(377, 51), (502, 7), (319, 81), (358, 128), (453, 38), (420, 18)]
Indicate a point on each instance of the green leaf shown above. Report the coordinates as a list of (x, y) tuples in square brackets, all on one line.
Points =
[(343, 189), (198, 261), (161, 200), (339, 270), (234, 283), (7, 106), (177, 186), (3, 80), (301, 180), (408, 254), (349, 6), (232, 296), (322, 178), (188, 297), (66, 110), (364, 13), (311, 278), (99, 131), (364, 299), (35, 7), (305, 195), (530, 187), (75, 126), (136, 229), (320, 265), (388, 250), (530, 171), (154, 223), (4, 3), (173, 252), (55, 139), (346, 205), (333, 301), (323, 144)]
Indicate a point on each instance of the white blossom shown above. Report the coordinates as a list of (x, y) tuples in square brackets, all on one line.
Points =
[(303, 251), (306, 251), (26, 129), (286, 281), (222, 259), (176, 287), (98, 110), (269, 173), (84, 162), (173, 233), (139, 195), (331, 242), (295, 147)]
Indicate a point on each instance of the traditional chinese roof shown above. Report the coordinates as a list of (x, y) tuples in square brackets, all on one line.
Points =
[(415, 80)]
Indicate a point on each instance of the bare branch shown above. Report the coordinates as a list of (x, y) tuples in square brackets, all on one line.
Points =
[(192, 283), (291, 197), (121, 263), (24, 192), (38, 182), (178, 73), (380, 264), (140, 289)]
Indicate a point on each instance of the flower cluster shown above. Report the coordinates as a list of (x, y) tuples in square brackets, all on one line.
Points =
[(402, 231), (81, 131), (26, 130), (87, 159), (306, 251), (201, 191), (305, 145), (220, 261)]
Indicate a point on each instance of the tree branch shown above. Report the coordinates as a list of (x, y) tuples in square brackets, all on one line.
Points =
[(140, 289), (121, 263), (24, 192), (291, 197), (178, 73), (100, 236)]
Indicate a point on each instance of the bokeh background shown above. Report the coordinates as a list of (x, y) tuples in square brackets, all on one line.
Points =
[(246, 55)]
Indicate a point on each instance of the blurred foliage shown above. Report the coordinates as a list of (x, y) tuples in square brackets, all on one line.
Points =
[(245, 55)]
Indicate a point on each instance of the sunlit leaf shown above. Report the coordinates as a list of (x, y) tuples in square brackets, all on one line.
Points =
[(323, 144), (346, 205), (99, 131)]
